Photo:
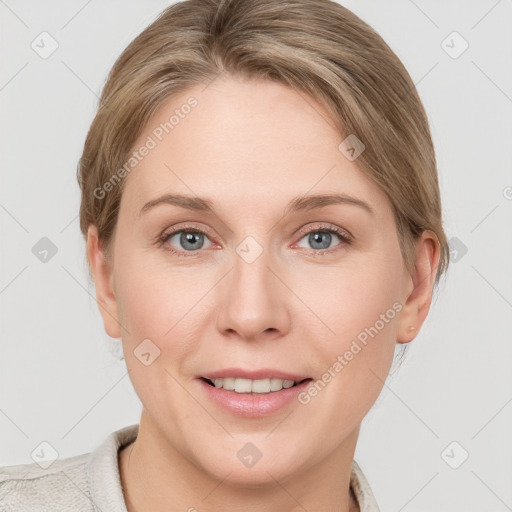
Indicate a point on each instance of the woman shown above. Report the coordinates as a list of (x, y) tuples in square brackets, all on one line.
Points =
[(263, 224)]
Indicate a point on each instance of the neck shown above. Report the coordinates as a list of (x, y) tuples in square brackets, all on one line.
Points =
[(154, 474)]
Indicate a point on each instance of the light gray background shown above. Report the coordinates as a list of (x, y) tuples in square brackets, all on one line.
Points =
[(60, 380)]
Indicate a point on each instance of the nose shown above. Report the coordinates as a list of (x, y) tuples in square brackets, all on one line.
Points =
[(253, 299)]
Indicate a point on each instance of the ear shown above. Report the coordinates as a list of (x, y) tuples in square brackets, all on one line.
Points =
[(103, 281), (419, 296)]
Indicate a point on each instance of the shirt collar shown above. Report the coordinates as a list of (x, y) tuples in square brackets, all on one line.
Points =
[(103, 471)]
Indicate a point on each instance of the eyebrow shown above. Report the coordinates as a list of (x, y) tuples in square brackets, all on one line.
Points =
[(301, 203)]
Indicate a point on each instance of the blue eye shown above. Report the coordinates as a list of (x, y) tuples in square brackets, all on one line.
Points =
[(189, 240), (321, 238)]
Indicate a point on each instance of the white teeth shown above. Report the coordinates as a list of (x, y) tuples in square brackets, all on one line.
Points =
[(253, 386), (276, 384), (261, 386), (243, 386), (228, 383)]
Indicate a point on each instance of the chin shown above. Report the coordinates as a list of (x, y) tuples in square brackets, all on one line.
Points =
[(249, 467), (257, 477)]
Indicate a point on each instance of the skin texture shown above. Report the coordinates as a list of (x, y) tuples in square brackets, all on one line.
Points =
[(250, 147)]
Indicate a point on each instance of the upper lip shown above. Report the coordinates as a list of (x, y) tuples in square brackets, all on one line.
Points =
[(262, 373)]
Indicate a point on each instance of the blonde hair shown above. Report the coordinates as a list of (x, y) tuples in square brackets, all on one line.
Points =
[(317, 47)]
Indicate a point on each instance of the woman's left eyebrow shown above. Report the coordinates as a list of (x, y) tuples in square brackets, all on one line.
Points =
[(304, 203), (300, 203)]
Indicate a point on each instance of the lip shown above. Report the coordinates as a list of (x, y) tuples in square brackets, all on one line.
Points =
[(253, 405), (262, 373)]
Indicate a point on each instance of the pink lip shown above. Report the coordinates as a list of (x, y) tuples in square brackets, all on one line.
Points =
[(262, 373), (253, 405)]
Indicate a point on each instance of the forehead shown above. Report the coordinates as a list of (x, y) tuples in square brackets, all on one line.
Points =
[(244, 137)]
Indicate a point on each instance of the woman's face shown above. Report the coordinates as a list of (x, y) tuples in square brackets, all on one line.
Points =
[(259, 282)]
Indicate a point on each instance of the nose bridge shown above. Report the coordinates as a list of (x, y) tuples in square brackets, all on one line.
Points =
[(253, 301)]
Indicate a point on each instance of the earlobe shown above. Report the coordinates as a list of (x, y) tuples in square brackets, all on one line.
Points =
[(103, 281), (418, 301)]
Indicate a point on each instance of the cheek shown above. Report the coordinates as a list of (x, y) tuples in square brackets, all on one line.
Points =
[(357, 292), (162, 303), (140, 304), (352, 359), (361, 309), (153, 311), (144, 290)]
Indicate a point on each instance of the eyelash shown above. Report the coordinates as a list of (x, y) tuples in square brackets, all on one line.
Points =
[(344, 236)]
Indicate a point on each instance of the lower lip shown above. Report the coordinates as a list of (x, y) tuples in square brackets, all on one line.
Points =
[(253, 405)]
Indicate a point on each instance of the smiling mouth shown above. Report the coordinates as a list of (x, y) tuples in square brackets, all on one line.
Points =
[(248, 386)]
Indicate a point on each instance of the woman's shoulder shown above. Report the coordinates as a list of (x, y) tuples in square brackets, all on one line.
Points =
[(82, 483), (61, 486)]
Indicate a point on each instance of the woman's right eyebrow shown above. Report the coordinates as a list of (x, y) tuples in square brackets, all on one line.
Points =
[(183, 201), (300, 203)]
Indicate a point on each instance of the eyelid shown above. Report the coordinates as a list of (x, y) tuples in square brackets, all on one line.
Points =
[(186, 226), (319, 226)]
